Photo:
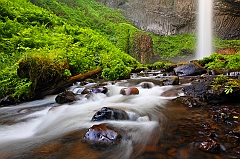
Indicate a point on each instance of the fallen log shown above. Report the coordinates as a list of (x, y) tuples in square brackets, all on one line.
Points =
[(61, 86)]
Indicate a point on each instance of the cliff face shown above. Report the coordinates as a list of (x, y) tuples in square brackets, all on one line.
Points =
[(171, 17)]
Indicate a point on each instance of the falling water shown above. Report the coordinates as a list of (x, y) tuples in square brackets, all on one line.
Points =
[(204, 39)]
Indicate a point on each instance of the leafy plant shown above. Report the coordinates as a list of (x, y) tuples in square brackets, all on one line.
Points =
[(227, 84)]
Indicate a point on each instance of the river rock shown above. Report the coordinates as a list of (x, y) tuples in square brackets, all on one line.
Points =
[(65, 97), (198, 88), (210, 146), (8, 100), (110, 114), (129, 91), (188, 101), (190, 69), (102, 134), (170, 80), (146, 85)]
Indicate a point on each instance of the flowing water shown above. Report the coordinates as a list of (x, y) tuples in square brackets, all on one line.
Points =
[(204, 26), (157, 127)]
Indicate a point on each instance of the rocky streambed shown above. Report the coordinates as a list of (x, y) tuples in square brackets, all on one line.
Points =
[(147, 116)]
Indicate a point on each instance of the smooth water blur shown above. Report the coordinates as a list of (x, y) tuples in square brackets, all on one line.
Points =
[(29, 125), (205, 30), (157, 128)]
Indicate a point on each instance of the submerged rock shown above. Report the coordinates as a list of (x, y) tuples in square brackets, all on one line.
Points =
[(65, 97), (210, 146), (188, 101), (147, 85), (102, 134), (110, 114)]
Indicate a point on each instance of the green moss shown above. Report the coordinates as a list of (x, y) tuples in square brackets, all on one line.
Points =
[(222, 61)]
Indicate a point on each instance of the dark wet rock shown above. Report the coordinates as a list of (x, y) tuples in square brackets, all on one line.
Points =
[(210, 146), (86, 91), (129, 91), (189, 101), (170, 80), (8, 100), (100, 90), (198, 88), (65, 97), (102, 134), (110, 114), (203, 89), (146, 85), (216, 96), (82, 90), (190, 69)]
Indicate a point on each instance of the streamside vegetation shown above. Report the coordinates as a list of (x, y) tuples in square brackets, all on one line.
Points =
[(42, 45), (46, 41)]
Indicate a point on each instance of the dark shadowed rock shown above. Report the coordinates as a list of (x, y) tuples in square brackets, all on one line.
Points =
[(8, 100), (102, 135), (203, 90), (110, 114), (190, 69), (65, 97), (198, 88)]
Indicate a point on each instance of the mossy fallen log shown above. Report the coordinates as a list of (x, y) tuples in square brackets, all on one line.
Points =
[(61, 86)]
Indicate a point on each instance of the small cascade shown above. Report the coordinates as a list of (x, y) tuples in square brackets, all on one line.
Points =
[(204, 26)]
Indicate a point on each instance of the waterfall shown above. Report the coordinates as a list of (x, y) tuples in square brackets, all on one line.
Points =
[(204, 26)]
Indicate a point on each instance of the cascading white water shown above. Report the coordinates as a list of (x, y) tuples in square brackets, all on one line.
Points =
[(204, 26), (48, 123)]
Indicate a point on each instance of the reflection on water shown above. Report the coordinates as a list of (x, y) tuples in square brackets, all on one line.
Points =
[(158, 127)]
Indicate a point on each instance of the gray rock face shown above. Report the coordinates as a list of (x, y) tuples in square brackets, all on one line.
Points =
[(171, 17)]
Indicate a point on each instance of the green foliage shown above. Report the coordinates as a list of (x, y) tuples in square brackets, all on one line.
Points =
[(170, 46), (88, 13), (61, 38), (161, 65), (222, 61), (228, 85), (12, 84), (220, 44)]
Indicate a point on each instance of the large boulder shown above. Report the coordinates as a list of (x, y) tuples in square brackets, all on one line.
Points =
[(191, 69), (110, 114)]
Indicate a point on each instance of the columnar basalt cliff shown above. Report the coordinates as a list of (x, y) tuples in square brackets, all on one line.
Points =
[(172, 17)]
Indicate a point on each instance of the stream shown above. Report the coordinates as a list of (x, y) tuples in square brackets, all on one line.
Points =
[(158, 128)]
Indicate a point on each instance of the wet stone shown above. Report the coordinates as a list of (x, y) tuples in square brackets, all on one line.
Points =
[(210, 146), (101, 135), (65, 97), (110, 114)]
